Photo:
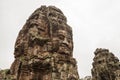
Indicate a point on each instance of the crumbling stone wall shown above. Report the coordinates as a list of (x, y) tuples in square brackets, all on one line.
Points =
[(105, 66), (44, 48)]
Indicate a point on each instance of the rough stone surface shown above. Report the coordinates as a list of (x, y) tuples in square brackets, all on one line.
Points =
[(44, 48), (105, 66)]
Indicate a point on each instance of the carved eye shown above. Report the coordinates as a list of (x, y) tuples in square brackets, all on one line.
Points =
[(61, 37), (33, 25), (41, 29), (60, 17), (52, 14), (69, 40)]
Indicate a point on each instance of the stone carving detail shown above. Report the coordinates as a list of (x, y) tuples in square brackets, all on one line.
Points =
[(44, 48), (105, 66)]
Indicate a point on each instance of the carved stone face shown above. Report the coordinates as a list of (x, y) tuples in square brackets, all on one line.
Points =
[(64, 42), (39, 28), (56, 15), (38, 32)]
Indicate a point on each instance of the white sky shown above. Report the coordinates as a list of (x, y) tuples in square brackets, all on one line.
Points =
[(95, 23)]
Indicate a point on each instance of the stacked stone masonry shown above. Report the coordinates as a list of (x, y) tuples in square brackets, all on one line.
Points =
[(44, 48), (105, 66)]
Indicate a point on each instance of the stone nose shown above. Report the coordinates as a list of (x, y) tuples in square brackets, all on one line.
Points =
[(65, 41)]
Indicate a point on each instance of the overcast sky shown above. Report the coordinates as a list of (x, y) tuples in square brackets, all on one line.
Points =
[(95, 24)]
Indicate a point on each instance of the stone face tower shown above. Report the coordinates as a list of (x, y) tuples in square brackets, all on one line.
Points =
[(44, 48), (105, 66)]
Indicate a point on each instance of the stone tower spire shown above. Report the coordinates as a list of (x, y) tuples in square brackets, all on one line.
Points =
[(105, 66), (44, 48)]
